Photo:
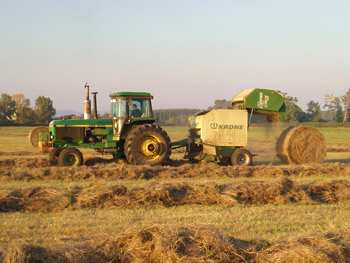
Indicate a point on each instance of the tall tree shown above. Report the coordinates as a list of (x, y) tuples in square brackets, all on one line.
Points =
[(24, 113), (7, 107), (335, 105), (44, 109)]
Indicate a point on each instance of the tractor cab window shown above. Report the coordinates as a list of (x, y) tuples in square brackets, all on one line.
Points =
[(119, 108), (140, 108)]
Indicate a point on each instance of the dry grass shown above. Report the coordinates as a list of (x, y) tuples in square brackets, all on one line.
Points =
[(187, 243), (113, 212), (41, 199)]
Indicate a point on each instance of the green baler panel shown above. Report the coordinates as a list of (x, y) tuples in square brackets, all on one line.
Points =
[(261, 100), (265, 100)]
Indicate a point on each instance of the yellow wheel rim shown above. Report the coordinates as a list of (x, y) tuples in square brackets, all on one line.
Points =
[(151, 147)]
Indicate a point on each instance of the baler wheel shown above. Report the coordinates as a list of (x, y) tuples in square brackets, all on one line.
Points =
[(34, 135), (70, 157), (241, 157), (147, 144)]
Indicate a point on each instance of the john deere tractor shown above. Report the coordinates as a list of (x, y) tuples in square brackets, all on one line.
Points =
[(130, 133)]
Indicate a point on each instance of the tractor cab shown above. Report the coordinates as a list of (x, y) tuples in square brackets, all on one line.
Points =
[(129, 108)]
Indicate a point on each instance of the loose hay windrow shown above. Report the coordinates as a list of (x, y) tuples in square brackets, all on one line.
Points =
[(186, 243), (123, 171), (41, 199)]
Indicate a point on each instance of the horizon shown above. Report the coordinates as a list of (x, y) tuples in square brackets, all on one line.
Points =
[(186, 53)]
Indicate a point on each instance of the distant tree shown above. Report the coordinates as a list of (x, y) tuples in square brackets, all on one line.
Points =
[(314, 111), (293, 111), (7, 107), (44, 109)]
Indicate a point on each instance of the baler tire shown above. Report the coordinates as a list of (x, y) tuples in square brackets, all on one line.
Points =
[(147, 145), (70, 157), (241, 157)]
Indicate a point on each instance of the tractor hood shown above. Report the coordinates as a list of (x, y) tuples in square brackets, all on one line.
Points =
[(82, 123)]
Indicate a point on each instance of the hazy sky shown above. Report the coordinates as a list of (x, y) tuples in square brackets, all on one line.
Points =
[(186, 52)]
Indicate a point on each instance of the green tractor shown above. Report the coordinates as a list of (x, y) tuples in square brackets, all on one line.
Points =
[(130, 133)]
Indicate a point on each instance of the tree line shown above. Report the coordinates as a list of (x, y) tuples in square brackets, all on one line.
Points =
[(17, 110), (334, 109)]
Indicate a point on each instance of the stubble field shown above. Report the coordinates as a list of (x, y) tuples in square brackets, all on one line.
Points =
[(108, 211)]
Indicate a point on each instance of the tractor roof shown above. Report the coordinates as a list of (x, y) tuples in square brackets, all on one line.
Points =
[(130, 94)]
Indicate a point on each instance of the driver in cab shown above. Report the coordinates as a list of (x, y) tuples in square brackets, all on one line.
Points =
[(136, 112)]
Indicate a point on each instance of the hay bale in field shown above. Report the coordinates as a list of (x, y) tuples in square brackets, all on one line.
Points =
[(301, 145), (330, 192), (99, 196), (172, 244), (309, 250)]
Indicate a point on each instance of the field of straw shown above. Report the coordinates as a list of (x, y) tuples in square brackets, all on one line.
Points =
[(109, 211)]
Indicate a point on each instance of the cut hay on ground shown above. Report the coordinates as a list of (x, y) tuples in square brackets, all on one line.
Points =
[(301, 145), (37, 199), (13, 170), (310, 250), (174, 244), (41, 199), (186, 243)]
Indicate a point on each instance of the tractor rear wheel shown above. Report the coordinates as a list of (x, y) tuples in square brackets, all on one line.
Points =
[(70, 157), (147, 144), (241, 157)]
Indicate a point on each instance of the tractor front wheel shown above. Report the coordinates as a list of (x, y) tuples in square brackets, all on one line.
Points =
[(70, 157), (53, 156), (147, 144), (241, 157)]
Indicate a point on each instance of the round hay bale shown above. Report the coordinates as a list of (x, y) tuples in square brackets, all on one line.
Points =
[(34, 135), (301, 145)]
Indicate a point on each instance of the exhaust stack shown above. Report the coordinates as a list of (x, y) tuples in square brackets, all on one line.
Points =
[(87, 103), (94, 104)]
